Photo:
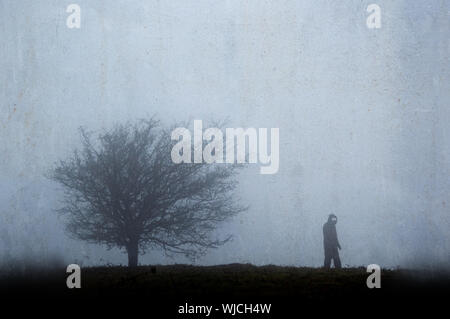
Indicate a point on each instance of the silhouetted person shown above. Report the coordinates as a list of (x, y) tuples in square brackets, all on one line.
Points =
[(331, 243)]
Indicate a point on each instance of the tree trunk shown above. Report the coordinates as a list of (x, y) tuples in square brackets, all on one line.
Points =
[(133, 252)]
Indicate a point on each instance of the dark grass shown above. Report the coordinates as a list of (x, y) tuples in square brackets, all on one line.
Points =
[(287, 288)]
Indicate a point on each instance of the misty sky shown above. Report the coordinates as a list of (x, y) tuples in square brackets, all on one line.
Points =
[(363, 117)]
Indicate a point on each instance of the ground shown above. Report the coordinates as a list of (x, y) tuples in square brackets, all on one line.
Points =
[(288, 288)]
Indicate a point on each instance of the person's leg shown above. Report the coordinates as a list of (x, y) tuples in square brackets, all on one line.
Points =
[(327, 261), (336, 260)]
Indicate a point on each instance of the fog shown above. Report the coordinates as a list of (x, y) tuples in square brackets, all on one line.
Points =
[(363, 117)]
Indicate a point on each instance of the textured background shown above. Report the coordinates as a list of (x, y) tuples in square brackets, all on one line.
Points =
[(363, 117)]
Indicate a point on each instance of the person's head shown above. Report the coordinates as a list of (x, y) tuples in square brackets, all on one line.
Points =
[(332, 219)]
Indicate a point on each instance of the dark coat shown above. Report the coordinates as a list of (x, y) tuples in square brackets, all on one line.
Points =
[(330, 240)]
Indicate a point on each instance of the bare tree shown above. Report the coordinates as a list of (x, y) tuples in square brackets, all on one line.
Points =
[(123, 190)]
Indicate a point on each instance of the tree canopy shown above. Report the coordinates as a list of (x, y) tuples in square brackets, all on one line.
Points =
[(122, 189)]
